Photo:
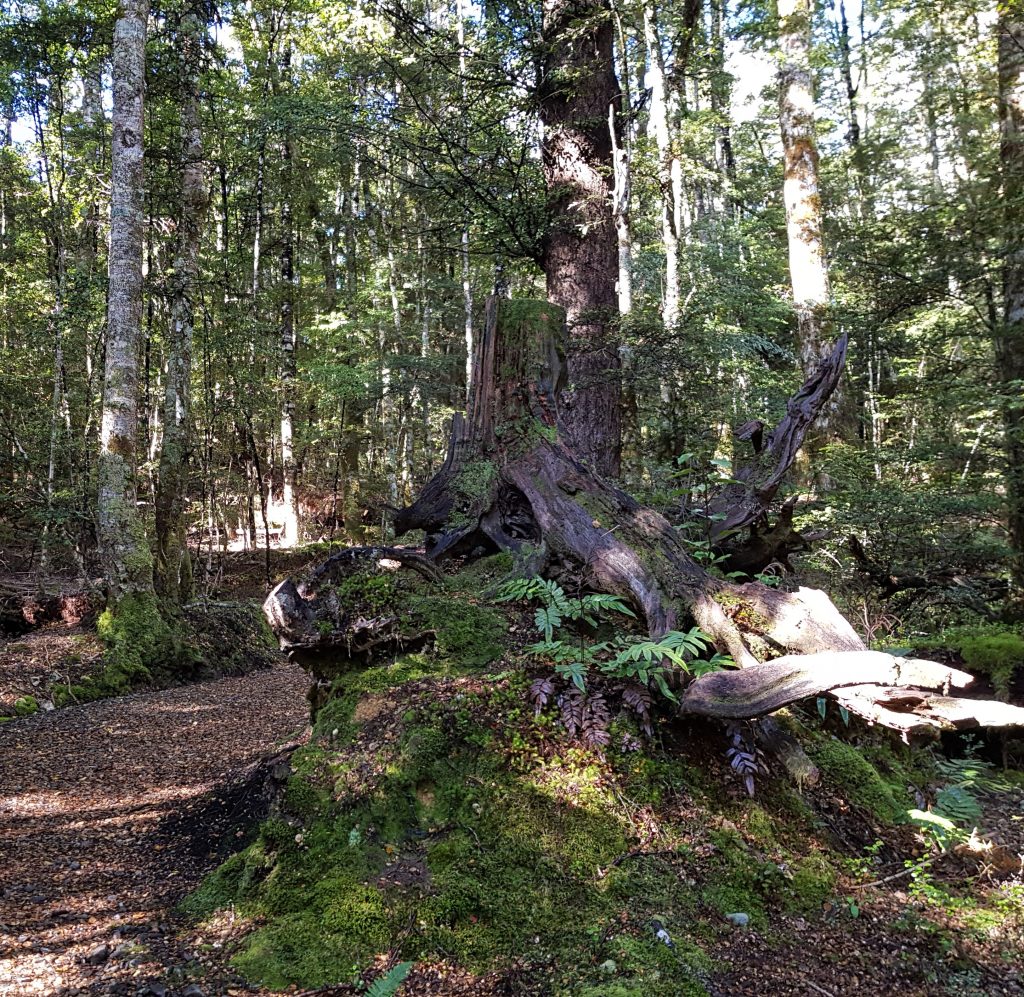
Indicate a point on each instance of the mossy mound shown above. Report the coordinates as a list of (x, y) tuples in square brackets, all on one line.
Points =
[(434, 815), (847, 769)]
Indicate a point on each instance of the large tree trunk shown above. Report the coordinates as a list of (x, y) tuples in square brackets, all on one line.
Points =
[(578, 93), (1010, 342), (807, 267), (127, 562), (173, 564)]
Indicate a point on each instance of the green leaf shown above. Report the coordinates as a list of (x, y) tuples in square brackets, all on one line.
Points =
[(822, 706)]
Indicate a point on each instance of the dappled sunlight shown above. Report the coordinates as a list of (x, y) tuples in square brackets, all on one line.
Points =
[(89, 872)]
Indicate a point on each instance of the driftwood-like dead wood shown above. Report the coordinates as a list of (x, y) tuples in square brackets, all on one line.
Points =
[(352, 557), (910, 709), (763, 689), (747, 501), (307, 621)]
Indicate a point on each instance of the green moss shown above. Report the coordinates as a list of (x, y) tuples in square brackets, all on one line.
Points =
[(370, 592), (513, 866), (140, 646), (813, 882), (25, 706), (847, 768), (468, 636), (996, 655)]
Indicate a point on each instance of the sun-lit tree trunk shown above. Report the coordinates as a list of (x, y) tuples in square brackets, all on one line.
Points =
[(127, 562), (622, 154), (289, 370), (173, 564), (580, 257), (668, 168), (1010, 341), (807, 265)]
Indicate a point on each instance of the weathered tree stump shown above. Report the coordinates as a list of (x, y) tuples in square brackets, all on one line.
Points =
[(511, 482)]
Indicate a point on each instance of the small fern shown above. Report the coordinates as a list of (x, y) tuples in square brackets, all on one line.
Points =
[(388, 985)]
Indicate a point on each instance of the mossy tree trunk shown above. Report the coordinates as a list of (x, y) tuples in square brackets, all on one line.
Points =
[(512, 482), (127, 563), (173, 574)]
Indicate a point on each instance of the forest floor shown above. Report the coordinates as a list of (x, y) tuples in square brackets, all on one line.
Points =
[(112, 812), (97, 848)]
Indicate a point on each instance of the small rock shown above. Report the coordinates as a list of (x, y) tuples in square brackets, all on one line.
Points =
[(97, 954), (740, 919), (193, 990), (155, 989), (73, 864), (608, 966)]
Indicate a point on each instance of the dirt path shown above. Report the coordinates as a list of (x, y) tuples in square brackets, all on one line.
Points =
[(88, 876)]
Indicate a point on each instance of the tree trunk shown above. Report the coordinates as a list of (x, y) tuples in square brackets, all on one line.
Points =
[(173, 563), (289, 372), (127, 562), (667, 167), (512, 482), (807, 267), (1010, 342), (580, 256)]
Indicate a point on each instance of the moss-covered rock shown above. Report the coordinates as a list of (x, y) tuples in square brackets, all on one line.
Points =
[(25, 706)]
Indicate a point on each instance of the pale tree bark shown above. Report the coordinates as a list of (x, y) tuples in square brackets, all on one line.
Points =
[(127, 562), (289, 368), (669, 168), (580, 257), (619, 128), (807, 265), (173, 574), (1010, 341)]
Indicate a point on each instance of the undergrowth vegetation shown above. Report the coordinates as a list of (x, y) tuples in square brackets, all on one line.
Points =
[(446, 811)]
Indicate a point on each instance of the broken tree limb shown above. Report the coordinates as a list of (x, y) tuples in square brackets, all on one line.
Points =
[(747, 501), (747, 693)]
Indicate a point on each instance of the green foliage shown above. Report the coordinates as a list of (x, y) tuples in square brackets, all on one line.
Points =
[(622, 657), (25, 706), (389, 984), (847, 768)]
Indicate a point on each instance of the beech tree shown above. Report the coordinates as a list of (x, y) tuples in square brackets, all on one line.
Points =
[(1010, 341), (128, 563)]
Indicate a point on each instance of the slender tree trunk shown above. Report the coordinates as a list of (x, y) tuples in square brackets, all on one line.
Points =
[(127, 562), (1010, 341), (289, 370), (580, 257), (173, 563), (667, 169), (807, 266), (622, 154)]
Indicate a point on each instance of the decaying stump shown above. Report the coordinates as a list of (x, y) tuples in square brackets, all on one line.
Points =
[(314, 629), (511, 482)]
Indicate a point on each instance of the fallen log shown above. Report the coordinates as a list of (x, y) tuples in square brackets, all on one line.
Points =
[(746, 693)]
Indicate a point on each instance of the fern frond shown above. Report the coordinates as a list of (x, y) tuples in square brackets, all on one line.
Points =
[(387, 986)]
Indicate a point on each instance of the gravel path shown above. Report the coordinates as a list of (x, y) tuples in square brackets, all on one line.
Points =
[(88, 873)]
